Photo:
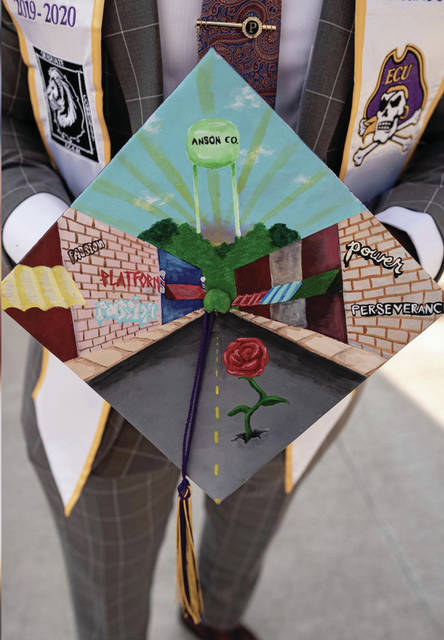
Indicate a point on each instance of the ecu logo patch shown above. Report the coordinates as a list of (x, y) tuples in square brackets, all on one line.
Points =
[(395, 105)]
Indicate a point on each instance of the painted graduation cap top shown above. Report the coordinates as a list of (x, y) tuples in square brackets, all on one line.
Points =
[(215, 203)]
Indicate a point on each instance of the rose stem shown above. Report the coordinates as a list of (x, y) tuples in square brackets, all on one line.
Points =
[(247, 418)]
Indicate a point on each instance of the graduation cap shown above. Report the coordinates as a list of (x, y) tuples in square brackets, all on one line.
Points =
[(219, 287)]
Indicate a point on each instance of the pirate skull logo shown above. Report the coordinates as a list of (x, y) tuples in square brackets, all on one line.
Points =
[(64, 104), (396, 103), (391, 109)]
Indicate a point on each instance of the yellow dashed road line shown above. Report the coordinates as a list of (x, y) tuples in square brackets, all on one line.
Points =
[(216, 412)]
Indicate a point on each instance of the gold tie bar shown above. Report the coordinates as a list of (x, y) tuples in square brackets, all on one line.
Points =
[(251, 27)]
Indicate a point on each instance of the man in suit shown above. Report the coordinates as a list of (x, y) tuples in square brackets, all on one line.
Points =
[(112, 538)]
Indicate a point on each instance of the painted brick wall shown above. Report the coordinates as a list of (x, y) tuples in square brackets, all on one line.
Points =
[(123, 252), (367, 283)]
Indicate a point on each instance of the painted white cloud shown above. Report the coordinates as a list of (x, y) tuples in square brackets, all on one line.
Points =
[(246, 97), (262, 152), (148, 198), (153, 125), (301, 179), (166, 199)]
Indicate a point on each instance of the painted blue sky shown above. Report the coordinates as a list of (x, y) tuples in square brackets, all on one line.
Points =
[(279, 179)]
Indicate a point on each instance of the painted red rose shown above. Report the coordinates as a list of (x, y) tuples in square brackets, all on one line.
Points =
[(245, 357)]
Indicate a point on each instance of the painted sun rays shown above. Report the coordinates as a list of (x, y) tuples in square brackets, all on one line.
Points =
[(167, 191)]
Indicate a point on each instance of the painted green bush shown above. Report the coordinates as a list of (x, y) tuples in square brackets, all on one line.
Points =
[(160, 232), (281, 235), (218, 263), (217, 300)]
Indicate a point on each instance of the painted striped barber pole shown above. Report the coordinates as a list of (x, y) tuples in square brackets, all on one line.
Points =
[(162, 277)]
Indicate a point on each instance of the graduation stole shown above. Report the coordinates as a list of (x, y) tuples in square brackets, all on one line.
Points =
[(61, 47), (398, 81)]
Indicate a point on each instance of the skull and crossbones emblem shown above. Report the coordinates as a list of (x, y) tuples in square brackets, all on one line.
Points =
[(396, 103), (391, 117)]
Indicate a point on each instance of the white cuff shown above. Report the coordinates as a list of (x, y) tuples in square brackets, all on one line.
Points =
[(29, 221), (422, 231)]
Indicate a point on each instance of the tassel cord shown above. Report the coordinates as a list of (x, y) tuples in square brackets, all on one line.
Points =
[(208, 321), (187, 571)]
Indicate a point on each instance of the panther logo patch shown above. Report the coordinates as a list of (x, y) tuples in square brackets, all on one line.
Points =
[(69, 111), (395, 104)]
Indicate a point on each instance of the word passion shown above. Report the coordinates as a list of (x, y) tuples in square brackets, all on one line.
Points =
[(377, 257), (84, 250), (131, 311)]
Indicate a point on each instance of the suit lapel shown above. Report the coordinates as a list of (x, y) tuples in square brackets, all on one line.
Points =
[(130, 33), (325, 103)]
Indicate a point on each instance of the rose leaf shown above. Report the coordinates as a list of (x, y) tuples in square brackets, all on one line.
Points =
[(242, 408), (269, 401)]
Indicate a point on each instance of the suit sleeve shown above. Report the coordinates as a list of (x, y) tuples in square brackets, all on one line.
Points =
[(26, 166), (421, 186)]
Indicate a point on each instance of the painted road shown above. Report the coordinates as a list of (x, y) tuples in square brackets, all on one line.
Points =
[(152, 388)]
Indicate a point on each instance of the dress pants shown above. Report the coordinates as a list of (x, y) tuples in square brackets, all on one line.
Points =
[(112, 538)]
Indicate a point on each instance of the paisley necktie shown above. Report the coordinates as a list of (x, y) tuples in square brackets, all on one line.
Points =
[(254, 56)]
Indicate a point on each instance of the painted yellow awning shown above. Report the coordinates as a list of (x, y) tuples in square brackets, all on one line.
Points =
[(40, 287)]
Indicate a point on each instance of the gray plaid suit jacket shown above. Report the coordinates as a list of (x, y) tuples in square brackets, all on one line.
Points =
[(132, 84)]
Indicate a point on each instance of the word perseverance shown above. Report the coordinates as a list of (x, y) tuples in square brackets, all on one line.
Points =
[(398, 308), (126, 311), (131, 279), (85, 249), (377, 257), (214, 140)]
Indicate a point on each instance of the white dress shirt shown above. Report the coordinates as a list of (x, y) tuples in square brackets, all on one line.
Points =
[(179, 55)]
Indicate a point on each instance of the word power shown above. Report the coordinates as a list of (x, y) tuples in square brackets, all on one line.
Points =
[(377, 257)]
